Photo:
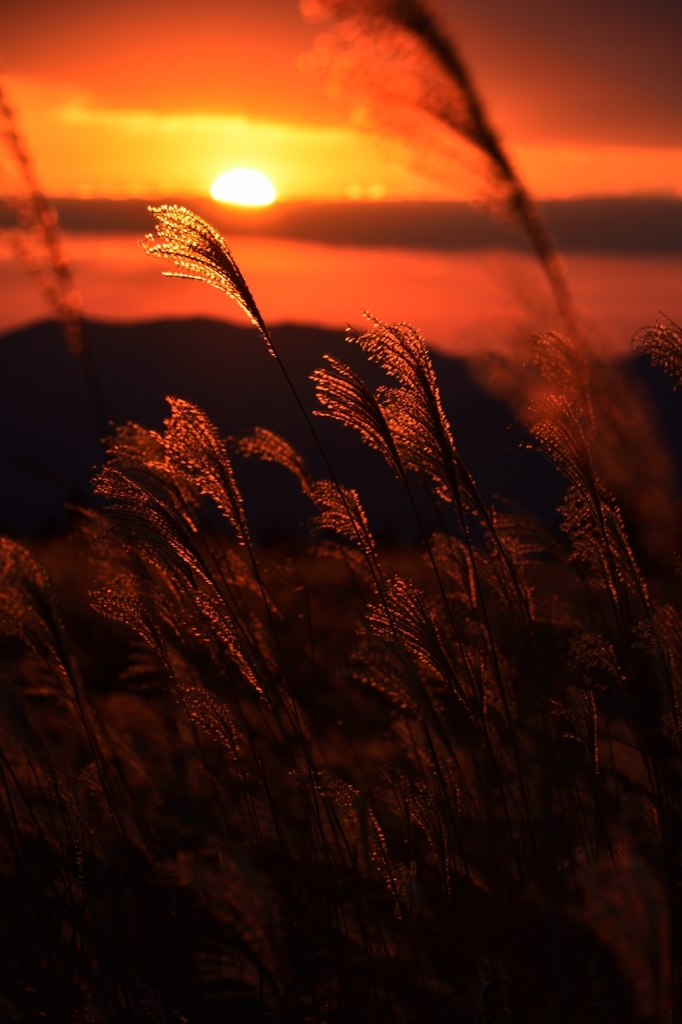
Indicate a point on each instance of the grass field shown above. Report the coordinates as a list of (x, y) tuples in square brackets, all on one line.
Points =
[(343, 782), (340, 780)]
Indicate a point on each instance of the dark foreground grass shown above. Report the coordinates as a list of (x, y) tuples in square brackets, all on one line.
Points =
[(342, 784)]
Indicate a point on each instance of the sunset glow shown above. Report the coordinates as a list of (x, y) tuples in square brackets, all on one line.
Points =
[(83, 149), (243, 187), (102, 116)]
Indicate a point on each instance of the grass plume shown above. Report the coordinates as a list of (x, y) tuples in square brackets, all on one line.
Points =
[(37, 244), (392, 59), (341, 783)]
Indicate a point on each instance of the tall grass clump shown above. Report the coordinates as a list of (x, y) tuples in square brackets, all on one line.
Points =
[(342, 783), (36, 241), (401, 73)]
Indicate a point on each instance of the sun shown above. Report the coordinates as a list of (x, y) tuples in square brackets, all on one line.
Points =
[(244, 187)]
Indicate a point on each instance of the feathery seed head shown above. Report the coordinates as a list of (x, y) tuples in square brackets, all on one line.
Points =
[(662, 343), (202, 254)]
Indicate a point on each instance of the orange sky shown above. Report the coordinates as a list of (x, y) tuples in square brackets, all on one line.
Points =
[(462, 301), (151, 99)]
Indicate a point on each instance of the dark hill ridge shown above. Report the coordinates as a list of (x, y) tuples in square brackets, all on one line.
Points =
[(597, 225), (48, 441)]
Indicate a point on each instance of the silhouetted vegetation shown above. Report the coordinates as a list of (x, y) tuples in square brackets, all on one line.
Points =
[(399, 69), (342, 783)]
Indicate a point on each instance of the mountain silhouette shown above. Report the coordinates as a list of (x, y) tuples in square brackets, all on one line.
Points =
[(49, 446)]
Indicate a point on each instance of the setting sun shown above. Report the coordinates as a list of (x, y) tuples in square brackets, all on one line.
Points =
[(244, 187)]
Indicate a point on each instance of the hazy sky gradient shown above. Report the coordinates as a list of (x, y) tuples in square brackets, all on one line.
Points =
[(583, 93)]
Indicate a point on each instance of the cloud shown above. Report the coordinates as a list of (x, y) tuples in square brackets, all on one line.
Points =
[(84, 149), (564, 170), (81, 148)]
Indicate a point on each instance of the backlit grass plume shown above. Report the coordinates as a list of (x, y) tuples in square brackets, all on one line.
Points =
[(344, 783), (662, 343), (38, 225), (37, 245), (392, 59), (202, 254)]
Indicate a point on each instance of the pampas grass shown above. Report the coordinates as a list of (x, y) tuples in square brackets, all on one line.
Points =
[(37, 244), (341, 783), (38, 228), (400, 71)]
